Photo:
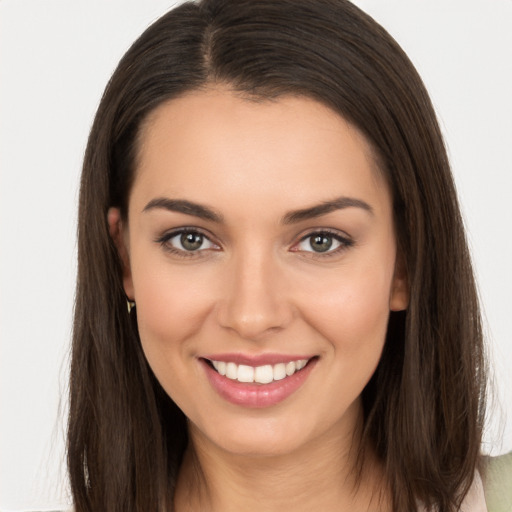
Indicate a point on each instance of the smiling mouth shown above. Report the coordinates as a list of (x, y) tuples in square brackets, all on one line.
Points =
[(264, 374)]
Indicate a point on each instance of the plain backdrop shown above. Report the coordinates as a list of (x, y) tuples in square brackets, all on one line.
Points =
[(55, 59)]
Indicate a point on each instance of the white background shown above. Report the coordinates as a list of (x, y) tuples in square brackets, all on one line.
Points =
[(55, 59)]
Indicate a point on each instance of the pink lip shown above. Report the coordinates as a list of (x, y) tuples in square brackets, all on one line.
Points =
[(257, 360), (254, 395)]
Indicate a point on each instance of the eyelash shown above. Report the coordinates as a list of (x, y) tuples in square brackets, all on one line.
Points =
[(344, 243), (167, 237)]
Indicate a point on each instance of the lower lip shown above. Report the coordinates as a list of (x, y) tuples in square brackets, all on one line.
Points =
[(257, 395)]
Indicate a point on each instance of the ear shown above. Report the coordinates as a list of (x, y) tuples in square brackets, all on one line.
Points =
[(399, 296), (119, 235)]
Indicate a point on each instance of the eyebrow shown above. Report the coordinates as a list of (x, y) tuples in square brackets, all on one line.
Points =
[(206, 213), (186, 207), (326, 207)]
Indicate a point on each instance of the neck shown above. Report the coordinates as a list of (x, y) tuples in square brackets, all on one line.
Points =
[(322, 475)]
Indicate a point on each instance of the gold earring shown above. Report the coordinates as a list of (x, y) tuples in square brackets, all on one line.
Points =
[(130, 304)]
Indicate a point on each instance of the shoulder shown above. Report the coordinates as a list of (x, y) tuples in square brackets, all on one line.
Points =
[(497, 478)]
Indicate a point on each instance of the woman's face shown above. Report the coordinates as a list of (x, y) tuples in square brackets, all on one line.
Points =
[(259, 239)]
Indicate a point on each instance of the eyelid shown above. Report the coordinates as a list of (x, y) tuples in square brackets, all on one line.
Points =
[(344, 240), (164, 239)]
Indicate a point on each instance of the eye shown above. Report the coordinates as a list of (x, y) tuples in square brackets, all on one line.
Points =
[(186, 241), (189, 241), (323, 242)]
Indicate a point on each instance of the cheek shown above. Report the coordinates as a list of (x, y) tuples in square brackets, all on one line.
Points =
[(172, 304), (351, 310), (171, 308), (351, 314)]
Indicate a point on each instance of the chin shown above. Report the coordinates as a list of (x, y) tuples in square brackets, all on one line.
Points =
[(277, 433)]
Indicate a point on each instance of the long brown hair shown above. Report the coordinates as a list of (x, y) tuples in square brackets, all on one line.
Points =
[(424, 406)]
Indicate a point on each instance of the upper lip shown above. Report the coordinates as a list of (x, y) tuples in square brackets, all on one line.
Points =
[(257, 360)]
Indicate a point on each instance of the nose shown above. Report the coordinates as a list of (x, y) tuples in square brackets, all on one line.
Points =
[(254, 300)]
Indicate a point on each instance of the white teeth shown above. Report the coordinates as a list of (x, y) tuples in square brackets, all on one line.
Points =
[(260, 374), (279, 371), (245, 373), (290, 368), (221, 367), (231, 371), (264, 374)]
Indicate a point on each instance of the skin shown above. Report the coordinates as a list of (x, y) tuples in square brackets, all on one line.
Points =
[(256, 286)]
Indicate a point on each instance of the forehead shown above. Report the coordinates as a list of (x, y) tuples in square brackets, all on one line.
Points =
[(214, 145)]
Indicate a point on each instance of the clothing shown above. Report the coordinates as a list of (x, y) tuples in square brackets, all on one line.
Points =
[(497, 479), (493, 492)]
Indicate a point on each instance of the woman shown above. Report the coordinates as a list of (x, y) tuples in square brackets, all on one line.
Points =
[(266, 184)]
